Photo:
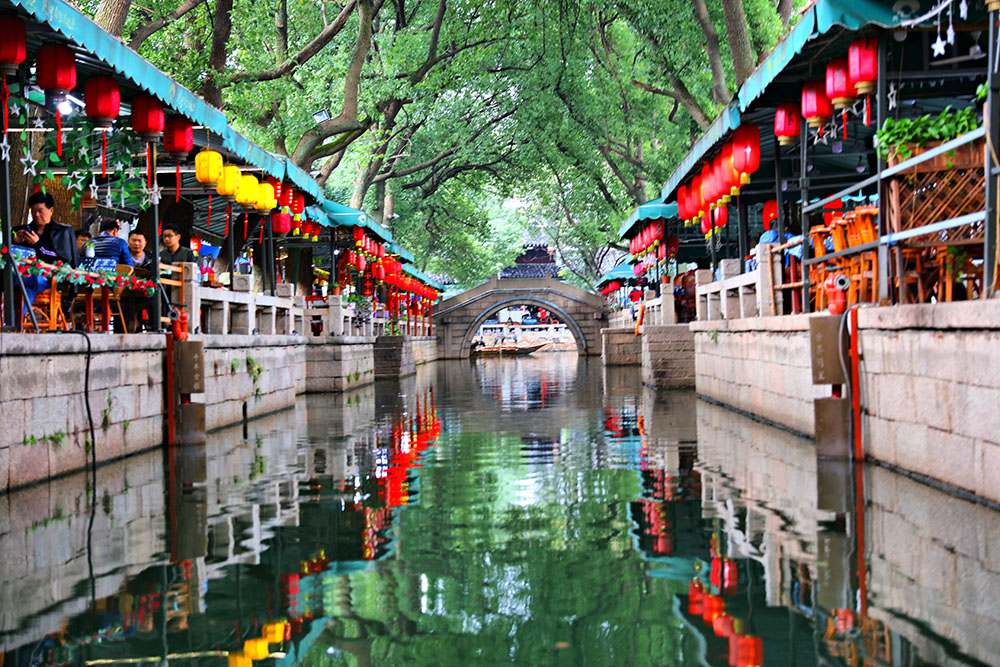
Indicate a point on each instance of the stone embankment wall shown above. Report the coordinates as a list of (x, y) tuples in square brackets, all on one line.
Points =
[(761, 366), (339, 363), (621, 347), (667, 356), (425, 349)]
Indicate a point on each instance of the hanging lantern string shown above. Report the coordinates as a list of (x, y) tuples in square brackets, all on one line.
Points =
[(208, 221), (104, 153), (246, 221), (844, 133), (177, 178), (149, 164), (868, 110), (262, 231), (229, 212), (58, 132)]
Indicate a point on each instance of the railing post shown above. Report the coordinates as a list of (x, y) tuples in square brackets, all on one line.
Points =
[(882, 101), (804, 220), (992, 118)]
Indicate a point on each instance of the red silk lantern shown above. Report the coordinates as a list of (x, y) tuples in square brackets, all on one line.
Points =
[(196, 244), (706, 222), (787, 121), (13, 46), (713, 606), (673, 246), (103, 100), (815, 104), (730, 177), (862, 64), (285, 197), (278, 186), (730, 576), (696, 203), (749, 652), (661, 253), (298, 203), (839, 87), (147, 117), (746, 151), (706, 186), (178, 137), (379, 272), (682, 203), (55, 69), (357, 233), (720, 216), (281, 223), (770, 213)]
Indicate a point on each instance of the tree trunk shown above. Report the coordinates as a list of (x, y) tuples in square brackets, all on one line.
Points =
[(111, 15), (720, 92), (281, 28), (785, 8), (221, 30), (739, 39), (380, 203)]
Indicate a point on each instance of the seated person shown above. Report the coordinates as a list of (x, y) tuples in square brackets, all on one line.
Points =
[(137, 249), (83, 237), (109, 245), (172, 252), (52, 241)]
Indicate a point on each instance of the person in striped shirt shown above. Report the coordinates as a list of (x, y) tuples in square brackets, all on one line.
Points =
[(108, 244)]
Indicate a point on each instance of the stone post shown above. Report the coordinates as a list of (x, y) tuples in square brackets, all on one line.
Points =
[(703, 277), (335, 315)]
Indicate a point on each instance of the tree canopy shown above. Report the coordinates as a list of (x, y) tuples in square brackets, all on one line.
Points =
[(442, 114)]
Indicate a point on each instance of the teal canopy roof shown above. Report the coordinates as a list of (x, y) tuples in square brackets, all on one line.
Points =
[(319, 215), (421, 277), (348, 217), (651, 210), (620, 272), (403, 253), (302, 180), (815, 21)]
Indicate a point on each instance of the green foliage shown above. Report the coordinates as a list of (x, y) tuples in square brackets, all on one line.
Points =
[(898, 136)]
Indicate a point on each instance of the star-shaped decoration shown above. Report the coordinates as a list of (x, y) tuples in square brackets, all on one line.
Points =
[(4, 149), (937, 48), (94, 188), (156, 194), (963, 10), (950, 34), (84, 151), (132, 172), (117, 166), (15, 109), (891, 97), (29, 163), (108, 202), (39, 122)]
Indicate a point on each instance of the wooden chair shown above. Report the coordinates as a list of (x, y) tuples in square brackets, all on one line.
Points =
[(48, 310), (862, 229), (114, 298), (957, 267), (817, 272), (916, 283)]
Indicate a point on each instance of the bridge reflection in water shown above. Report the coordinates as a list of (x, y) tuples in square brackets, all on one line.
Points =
[(533, 511)]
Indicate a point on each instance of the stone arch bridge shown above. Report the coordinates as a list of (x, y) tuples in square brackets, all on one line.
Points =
[(456, 320)]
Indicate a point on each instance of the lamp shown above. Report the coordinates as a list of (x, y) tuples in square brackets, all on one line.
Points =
[(321, 116), (861, 166)]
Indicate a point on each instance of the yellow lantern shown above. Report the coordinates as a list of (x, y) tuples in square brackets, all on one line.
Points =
[(265, 197), (229, 184), (238, 659), (207, 167), (274, 633), (246, 194), (256, 649)]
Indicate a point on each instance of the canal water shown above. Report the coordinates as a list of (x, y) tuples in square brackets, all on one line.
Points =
[(529, 511)]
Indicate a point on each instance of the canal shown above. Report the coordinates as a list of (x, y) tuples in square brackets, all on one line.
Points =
[(529, 511)]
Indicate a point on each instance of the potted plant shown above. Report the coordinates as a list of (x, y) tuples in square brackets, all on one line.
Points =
[(899, 139)]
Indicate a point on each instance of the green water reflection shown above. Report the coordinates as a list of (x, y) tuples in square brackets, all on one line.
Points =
[(536, 511)]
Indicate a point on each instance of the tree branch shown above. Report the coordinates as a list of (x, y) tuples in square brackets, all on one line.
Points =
[(143, 32)]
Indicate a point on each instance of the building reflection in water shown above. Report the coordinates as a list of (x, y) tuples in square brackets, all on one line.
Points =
[(528, 507)]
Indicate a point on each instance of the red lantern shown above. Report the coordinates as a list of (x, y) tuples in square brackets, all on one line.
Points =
[(14, 45), (707, 189), (815, 104), (832, 210), (379, 271), (712, 607), (661, 253), (285, 197), (706, 222), (55, 69), (862, 64), (281, 223), (298, 203), (839, 87), (196, 244), (682, 203), (673, 246), (730, 177), (720, 216), (770, 213), (103, 100), (147, 117), (278, 186), (178, 137), (357, 233), (696, 202), (746, 151), (787, 121), (749, 652)]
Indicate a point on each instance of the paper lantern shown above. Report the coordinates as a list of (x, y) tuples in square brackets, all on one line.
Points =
[(229, 183), (196, 244), (770, 213), (730, 177), (148, 119), (746, 151), (286, 196), (839, 87), (706, 186), (246, 195), (265, 197), (281, 223), (298, 204), (178, 137), (696, 202), (239, 659), (862, 64), (713, 606), (720, 216), (815, 104), (749, 652), (256, 649), (208, 167), (787, 125), (832, 210), (706, 222), (103, 100), (682, 203), (673, 246), (55, 69), (14, 45), (274, 633)]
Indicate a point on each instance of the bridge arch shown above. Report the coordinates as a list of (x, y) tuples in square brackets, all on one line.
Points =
[(457, 319)]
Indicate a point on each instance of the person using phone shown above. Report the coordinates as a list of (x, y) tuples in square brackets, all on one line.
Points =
[(52, 241)]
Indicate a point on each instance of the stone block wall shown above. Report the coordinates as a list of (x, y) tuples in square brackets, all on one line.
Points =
[(931, 387), (231, 378), (761, 366), (393, 357), (621, 347), (934, 568), (425, 349), (43, 416), (667, 356), (339, 363)]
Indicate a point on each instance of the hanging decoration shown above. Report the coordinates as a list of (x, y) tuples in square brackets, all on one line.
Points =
[(816, 107), (103, 103), (13, 51), (862, 65), (55, 72), (64, 273), (787, 119), (770, 213), (178, 140), (148, 121)]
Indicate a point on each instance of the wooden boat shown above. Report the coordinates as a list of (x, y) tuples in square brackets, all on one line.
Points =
[(505, 350)]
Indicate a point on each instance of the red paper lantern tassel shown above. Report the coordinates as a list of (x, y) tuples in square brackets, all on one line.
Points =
[(868, 110), (844, 134), (6, 97), (229, 212), (104, 153), (177, 177), (261, 232), (208, 221), (149, 165), (246, 221), (820, 131), (58, 133)]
